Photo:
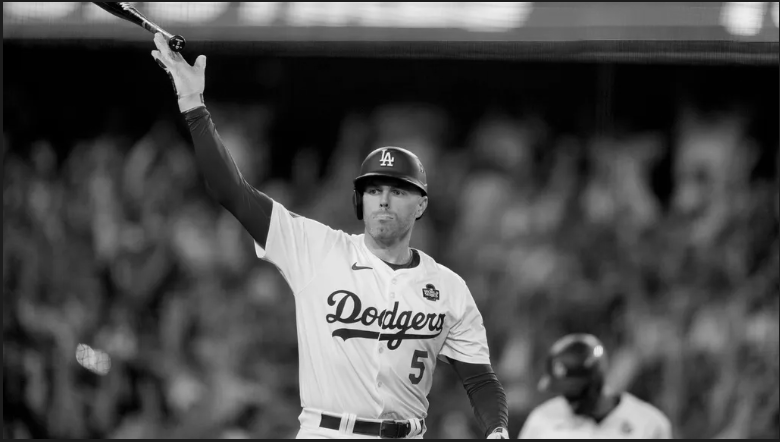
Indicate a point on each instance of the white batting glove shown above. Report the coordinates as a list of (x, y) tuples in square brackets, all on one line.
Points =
[(499, 433), (187, 80)]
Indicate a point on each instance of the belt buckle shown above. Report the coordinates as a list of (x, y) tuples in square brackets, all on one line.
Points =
[(394, 429)]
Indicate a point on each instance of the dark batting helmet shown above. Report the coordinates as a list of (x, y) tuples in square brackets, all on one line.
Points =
[(390, 162), (574, 363)]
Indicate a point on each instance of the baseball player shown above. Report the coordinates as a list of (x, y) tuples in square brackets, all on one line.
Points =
[(374, 316), (584, 409)]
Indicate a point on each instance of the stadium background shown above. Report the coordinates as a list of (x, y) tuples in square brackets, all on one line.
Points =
[(593, 168)]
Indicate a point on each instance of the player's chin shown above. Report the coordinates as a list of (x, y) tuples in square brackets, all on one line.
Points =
[(383, 230)]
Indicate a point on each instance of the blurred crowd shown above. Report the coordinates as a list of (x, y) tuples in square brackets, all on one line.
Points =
[(665, 245)]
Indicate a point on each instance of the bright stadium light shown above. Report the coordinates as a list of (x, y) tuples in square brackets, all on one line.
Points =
[(495, 16), (320, 13), (185, 12), (423, 15), (39, 10), (258, 13), (474, 16), (373, 14), (743, 18)]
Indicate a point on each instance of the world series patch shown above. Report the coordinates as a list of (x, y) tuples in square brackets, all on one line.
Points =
[(430, 293)]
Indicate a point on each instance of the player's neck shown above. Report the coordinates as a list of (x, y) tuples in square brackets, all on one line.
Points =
[(607, 403), (397, 252)]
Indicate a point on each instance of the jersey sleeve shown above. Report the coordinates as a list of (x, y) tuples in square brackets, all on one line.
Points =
[(467, 340), (296, 245)]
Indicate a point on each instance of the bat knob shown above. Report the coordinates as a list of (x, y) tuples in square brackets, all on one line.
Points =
[(176, 43)]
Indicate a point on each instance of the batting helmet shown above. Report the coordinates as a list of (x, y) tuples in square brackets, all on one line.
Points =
[(391, 162), (573, 363)]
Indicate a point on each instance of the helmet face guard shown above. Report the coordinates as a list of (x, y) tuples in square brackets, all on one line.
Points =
[(389, 162)]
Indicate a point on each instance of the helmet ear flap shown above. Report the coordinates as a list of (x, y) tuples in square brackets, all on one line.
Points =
[(357, 202)]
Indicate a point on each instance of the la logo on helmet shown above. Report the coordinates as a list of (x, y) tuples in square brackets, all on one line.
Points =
[(386, 159)]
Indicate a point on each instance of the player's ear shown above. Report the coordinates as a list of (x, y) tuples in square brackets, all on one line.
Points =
[(421, 206)]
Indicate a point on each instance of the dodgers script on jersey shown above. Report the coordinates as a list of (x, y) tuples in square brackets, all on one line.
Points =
[(369, 337), (631, 419)]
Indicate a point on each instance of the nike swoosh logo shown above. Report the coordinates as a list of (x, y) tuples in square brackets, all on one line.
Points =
[(357, 267)]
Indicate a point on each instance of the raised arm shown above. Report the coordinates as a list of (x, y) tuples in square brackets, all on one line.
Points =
[(250, 206)]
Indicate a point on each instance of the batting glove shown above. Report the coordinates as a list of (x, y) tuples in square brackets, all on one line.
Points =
[(499, 433), (188, 81)]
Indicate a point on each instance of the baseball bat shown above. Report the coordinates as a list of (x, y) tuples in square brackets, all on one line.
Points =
[(126, 11)]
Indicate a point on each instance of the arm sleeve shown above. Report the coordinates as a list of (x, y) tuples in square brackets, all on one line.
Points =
[(486, 394), (251, 207), (294, 244)]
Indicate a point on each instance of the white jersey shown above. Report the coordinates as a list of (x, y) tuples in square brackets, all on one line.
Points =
[(368, 336), (633, 418)]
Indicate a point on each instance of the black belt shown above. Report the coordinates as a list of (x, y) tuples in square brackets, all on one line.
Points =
[(387, 429)]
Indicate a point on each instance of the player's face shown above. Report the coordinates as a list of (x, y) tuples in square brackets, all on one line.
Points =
[(390, 208), (583, 399)]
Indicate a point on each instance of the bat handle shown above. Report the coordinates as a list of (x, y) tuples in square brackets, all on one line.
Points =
[(175, 42)]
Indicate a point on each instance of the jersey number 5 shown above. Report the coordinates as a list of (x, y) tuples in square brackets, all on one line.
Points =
[(417, 363)]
